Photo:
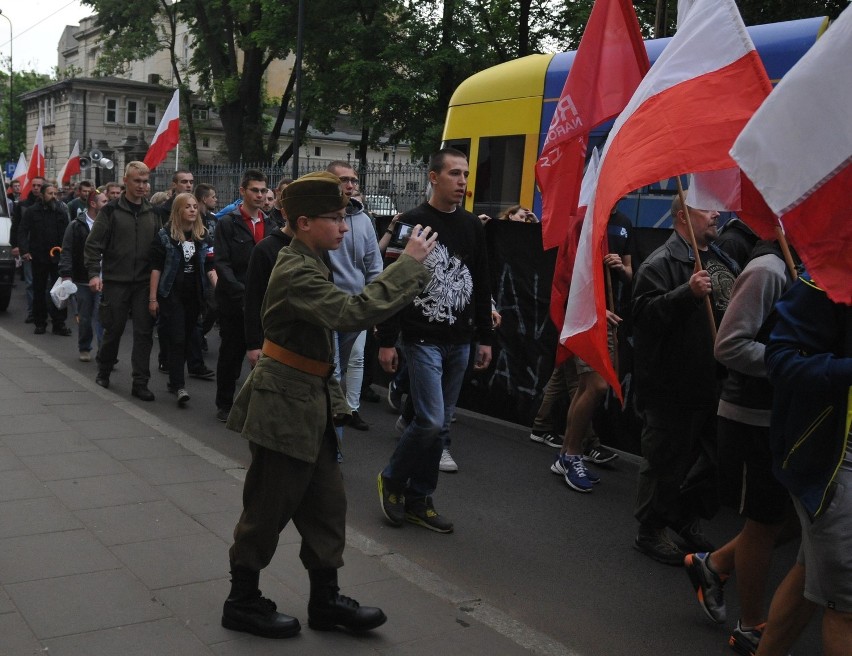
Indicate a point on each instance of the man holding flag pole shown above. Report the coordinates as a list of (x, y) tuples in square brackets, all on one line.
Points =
[(681, 92)]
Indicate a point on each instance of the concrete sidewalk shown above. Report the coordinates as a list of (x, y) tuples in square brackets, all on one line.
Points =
[(114, 531)]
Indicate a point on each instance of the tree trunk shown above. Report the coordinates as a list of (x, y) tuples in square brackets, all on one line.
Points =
[(272, 144)]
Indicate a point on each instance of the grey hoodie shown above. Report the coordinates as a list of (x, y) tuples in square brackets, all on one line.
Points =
[(358, 261)]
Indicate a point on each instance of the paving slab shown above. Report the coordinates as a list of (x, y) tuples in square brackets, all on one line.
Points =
[(47, 555), (138, 522), (81, 464), (149, 446), (103, 491), (34, 444), (21, 484), (170, 470), (32, 516)]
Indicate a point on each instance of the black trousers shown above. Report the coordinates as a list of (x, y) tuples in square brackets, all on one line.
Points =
[(178, 321), (232, 352), (279, 488), (118, 301), (678, 475), (44, 275)]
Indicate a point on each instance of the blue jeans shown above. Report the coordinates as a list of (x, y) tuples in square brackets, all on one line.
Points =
[(87, 311), (436, 372)]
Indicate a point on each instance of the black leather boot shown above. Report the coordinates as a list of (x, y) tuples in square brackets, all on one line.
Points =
[(327, 609), (246, 610)]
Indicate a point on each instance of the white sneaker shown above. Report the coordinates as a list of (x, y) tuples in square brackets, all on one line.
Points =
[(401, 425), (447, 463)]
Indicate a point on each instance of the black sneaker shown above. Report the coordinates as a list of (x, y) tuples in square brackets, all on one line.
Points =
[(163, 368), (547, 438), (222, 414), (422, 512), (393, 502), (357, 423), (102, 380), (62, 330), (30, 319), (369, 395), (142, 393), (599, 454), (203, 374), (656, 544), (690, 538), (40, 330), (394, 397)]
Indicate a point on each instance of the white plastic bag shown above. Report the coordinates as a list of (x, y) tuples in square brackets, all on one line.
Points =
[(61, 291)]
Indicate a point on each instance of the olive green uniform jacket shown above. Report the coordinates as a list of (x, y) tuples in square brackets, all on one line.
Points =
[(285, 409)]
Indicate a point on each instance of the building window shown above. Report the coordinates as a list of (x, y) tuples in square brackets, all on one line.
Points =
[(385, 157), (199, 114), (151, 115), (317, 151), (132, 111), (205, 142), (111, 114)]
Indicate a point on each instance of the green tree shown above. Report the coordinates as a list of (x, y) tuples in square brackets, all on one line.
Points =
[(136, 31), (22, 82)]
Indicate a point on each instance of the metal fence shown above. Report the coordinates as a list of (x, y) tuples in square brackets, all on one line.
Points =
[(385, 187)]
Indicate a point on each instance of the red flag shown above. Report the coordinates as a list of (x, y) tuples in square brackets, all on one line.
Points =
[(797, 149), (167, 135), (609, 64), (683, 118), (72, 166), (36, 167)]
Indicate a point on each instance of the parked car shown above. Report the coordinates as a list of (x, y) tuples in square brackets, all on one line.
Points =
[(381, 205), (7, 261)]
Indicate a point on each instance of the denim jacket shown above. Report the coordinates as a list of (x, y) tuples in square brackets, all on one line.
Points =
[(174, 260)]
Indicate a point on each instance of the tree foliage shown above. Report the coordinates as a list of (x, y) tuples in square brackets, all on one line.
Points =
[(390, 66), (22, 82)]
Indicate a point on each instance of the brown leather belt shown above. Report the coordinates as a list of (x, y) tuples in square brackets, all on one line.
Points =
[(296, 361)]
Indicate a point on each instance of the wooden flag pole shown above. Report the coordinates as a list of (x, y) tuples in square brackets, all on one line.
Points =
[(697, 256), (785, 249), (610, 304)]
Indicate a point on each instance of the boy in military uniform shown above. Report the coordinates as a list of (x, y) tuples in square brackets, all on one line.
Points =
[(285, 411)]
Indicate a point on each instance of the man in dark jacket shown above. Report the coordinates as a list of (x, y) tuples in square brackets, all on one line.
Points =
[(17, 214), (117, 260), (73, 268), (40, 239), (236, 235), (677, 385)]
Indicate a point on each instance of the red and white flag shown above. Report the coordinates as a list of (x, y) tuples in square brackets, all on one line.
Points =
[(564, 267), (167, 135), (683, 118), (20, 173), (72, 166), (36, 166), (797, 149), (607, 68)]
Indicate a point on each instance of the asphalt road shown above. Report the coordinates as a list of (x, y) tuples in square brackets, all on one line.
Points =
[(557, 561)]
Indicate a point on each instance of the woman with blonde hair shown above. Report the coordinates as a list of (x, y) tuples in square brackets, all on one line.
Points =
[(177, 284)]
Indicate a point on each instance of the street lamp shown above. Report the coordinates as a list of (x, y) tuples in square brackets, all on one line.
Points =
[(11, 91)]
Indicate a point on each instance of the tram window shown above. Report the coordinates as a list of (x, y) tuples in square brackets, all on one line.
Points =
[(459, 144), (498, 173)]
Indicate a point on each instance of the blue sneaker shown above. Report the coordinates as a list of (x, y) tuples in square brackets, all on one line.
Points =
[(574, 471), (559, 468)]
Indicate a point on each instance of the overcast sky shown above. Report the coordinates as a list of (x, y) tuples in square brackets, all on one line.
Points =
[(37, 26)]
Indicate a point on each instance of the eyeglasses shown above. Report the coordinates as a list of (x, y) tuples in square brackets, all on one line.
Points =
[(346, 179), (336, 218)]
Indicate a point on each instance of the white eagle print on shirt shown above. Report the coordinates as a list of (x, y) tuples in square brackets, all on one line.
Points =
[(450, 288)]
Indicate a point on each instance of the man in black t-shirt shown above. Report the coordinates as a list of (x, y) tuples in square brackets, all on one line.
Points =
[(437, 329)]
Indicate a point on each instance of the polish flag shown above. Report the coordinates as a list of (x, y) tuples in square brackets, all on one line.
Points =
[(797, 149), (683, 118), (568, 252), (72, 166), (36, 166), (607, 68), (167, 135), (20, 170)]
